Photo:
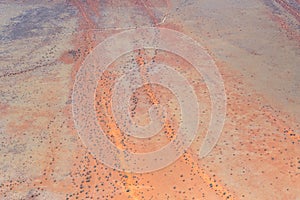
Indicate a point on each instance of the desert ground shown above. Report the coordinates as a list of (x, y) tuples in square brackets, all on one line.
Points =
[(255, 45)]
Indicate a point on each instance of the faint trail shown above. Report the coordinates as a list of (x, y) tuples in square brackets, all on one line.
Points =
[(146, 5), (82, 11), (9, 74)]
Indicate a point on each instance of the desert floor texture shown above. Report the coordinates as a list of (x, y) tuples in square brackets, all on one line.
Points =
[(254, 44)]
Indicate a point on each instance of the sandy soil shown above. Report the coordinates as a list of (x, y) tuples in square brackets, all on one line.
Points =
[(255, 45)]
